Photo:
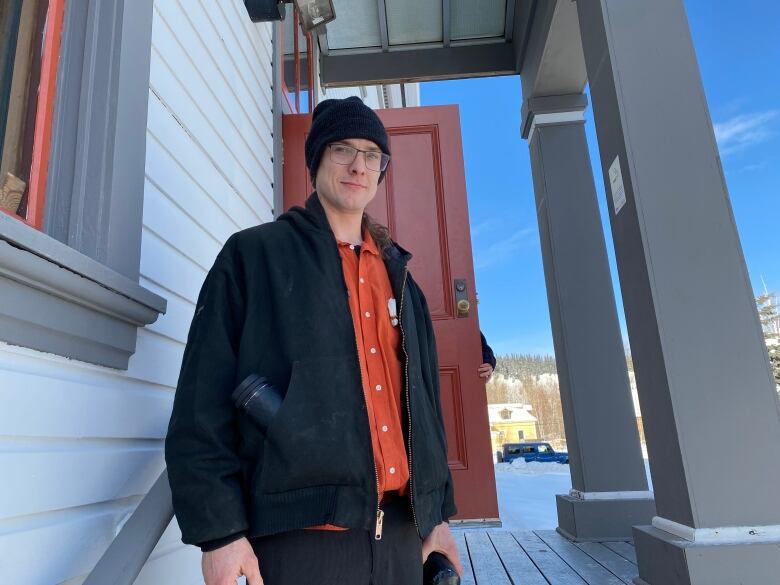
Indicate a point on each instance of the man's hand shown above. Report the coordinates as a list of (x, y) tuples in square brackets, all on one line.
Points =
[(441, 540), (485, 371), (226, 564)]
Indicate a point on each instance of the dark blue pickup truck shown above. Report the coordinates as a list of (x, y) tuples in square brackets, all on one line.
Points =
[(530, 452)]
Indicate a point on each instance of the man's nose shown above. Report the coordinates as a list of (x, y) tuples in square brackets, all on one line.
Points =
[(359, 164)]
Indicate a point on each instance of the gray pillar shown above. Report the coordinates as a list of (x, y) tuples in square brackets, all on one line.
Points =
[(610, 491), (711, 417)]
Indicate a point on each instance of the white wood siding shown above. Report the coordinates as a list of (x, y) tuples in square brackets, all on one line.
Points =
[(81, 444)]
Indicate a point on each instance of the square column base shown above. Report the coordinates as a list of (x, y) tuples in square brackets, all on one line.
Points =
[(665, 559), (601, 520)]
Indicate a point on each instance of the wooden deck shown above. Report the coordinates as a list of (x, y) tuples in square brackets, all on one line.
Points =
[(542, 557)]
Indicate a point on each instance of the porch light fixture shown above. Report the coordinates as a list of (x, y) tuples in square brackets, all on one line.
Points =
[(264, 10), (315, 13)]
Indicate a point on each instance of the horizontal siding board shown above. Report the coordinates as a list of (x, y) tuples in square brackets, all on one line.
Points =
[(176, 161), (67, 408), (157, 359), (81, 474), (247, 47), (252, 97), (170, 267), (218, 91), (175, 324), (211, 128), (185, 180), (56, 547), (177, 229)]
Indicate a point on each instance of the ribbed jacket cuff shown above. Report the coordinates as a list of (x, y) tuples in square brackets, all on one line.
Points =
[(210, 545)]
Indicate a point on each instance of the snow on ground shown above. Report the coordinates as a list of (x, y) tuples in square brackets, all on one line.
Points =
[(526, 493)]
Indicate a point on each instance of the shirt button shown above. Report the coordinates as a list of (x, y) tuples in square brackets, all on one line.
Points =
[(379, 386), (373, 350), (368, 314), (362, 281), (392, 470), (384, 428), (351, 247)]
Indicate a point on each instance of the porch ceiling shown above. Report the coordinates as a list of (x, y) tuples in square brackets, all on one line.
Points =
[(392, 41)]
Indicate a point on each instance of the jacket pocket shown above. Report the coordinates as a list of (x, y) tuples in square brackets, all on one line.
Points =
[(316, 436)]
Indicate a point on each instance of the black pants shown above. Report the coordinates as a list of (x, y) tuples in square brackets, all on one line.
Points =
[(351, 557)]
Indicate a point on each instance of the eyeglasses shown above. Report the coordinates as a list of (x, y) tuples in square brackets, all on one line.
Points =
[(343, 154)]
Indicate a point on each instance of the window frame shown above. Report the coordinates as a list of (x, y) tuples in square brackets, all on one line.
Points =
[(72, 288)]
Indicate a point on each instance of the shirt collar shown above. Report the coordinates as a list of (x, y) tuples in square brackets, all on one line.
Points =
[(368, 243)]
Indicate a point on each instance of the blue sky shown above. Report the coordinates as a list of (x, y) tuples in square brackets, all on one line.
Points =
[(739, 55)]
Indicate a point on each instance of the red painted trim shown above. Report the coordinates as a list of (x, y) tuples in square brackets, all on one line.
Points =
[(47, 88), (297, 60), (310, 67)]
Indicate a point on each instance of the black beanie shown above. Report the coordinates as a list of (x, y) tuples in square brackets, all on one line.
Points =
[(334, 120)]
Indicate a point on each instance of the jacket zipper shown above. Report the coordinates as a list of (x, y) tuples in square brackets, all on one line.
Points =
[(380, 514), (408, 404)]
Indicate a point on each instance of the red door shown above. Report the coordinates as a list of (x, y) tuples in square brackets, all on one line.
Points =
[(423, 202)]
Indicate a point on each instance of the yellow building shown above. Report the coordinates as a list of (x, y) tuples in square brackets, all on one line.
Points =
[(511, 423)]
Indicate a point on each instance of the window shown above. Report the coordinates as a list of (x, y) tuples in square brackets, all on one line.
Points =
[(29, 51), (520, 435), (505, 414), (74, 82)]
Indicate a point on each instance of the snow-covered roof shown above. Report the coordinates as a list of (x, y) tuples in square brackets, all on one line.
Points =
[(517, 413)]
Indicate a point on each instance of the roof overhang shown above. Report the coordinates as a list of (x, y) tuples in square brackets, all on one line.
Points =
[(377, 42), (417, 64)]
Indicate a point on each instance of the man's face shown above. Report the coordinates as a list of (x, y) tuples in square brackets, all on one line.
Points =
[(347, 188)]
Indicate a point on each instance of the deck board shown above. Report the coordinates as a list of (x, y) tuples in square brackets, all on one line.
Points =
[(468, 574), (622, 568), (585, 565), (518, 564), (552, 566), (624, 549), (484, 560), (500, 557)]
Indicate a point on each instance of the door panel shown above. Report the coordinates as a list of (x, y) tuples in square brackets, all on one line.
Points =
[(423, 202)]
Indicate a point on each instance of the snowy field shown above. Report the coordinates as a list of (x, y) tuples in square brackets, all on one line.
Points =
[(526, 493)]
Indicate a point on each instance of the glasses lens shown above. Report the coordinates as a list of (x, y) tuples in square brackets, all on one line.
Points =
[(342, 154)]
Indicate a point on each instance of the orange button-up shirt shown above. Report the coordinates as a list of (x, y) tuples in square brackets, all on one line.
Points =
[(375, 317)]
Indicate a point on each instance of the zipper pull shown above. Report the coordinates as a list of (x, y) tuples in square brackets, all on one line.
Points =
[(380, 516)]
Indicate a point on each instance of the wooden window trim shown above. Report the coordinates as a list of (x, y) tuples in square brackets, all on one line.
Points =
[(36, 193), (59, 295)]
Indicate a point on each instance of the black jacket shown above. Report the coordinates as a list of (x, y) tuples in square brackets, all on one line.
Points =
[(275, 304), (488, 357)]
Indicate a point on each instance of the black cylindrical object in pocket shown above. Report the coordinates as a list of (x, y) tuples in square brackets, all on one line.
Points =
[(259, 399), (438, 570)]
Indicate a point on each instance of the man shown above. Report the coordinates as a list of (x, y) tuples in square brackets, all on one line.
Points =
[(485, 370), (349, 483)]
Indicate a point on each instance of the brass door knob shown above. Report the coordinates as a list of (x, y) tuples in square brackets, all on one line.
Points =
[(463, 308)]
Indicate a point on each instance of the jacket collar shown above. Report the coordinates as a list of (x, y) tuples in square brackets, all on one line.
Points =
[(394, 253)]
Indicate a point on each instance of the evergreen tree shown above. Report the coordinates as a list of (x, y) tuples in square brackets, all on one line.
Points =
[(770, 323)]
